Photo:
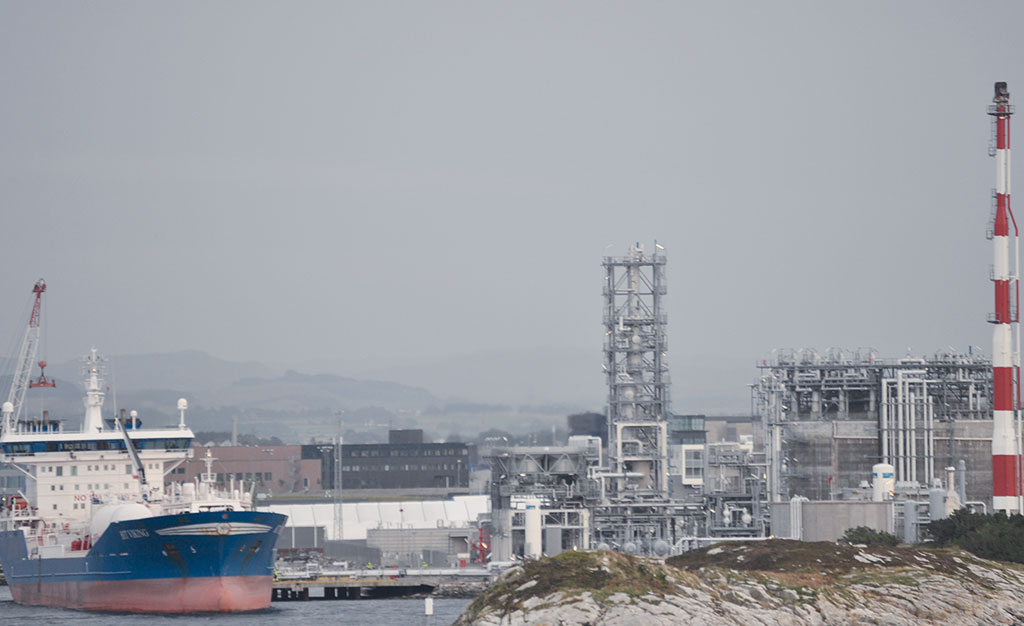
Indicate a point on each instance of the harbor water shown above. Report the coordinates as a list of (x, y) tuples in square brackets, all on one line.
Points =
[(391, 612)]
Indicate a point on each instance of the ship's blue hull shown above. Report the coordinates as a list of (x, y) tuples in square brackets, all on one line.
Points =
[(213, 561)]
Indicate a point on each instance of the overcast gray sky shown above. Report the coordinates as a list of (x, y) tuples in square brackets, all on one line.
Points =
[(378, 182)]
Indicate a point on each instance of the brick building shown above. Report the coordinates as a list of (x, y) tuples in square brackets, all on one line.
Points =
[(275, 469)]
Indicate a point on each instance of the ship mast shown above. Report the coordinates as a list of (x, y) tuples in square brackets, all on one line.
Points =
[(93, 393)]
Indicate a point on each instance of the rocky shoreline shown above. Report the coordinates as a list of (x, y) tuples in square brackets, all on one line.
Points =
[(772, 582)]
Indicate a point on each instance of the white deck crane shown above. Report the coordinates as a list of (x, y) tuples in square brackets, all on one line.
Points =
[(20, 383)]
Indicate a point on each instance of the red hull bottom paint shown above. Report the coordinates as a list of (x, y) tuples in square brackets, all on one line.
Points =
[(155, 595)]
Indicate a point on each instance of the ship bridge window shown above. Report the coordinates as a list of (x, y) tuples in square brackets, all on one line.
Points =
[(164, 444)]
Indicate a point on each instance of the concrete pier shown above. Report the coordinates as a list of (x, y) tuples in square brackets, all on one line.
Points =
[(363, 587)]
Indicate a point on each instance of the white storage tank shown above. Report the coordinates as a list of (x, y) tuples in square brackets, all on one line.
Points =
[(532, 548), (883, 481), (106, 515)]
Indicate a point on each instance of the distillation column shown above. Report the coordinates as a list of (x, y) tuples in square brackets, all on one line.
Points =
[(638, 385)]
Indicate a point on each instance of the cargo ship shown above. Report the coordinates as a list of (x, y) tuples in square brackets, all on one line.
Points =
[(97, 528)]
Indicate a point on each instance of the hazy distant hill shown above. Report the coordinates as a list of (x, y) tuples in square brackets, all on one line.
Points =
[(63, 401), (563, 376), (571, 378), (216, 390), (295, 391), (190, 370)]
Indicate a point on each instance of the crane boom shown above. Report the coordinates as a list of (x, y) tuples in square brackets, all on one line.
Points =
[(29, 347)]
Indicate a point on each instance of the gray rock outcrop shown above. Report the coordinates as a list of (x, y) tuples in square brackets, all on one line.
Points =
[(841, 585)]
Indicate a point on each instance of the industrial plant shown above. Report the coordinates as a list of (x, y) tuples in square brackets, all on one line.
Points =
[(837, 439), (840, 438)]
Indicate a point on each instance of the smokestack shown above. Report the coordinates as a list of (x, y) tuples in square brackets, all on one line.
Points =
[(1005, 357)]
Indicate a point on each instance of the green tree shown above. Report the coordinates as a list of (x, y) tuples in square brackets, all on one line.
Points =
[(863, 535), (995, 536)]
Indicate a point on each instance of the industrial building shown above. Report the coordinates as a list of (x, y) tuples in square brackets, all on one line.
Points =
[(641, 492), (442, 533), (405, 462), (827, 419), (273, 469), (934, 433), (839, 439)]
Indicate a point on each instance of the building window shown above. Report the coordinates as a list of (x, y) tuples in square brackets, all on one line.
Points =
[(128, 469), (74, 470), (694, 461), (60, 470)]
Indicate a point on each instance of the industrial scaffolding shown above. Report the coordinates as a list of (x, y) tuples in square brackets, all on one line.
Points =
[(827, 418), (635, 349)]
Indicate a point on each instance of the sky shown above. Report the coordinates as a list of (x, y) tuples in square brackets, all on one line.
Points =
[(368, 185)]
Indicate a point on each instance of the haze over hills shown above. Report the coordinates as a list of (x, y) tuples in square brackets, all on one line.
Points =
[(513, 390), (188, 370), (560, 376)]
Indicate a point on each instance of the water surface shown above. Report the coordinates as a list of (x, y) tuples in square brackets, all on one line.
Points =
[(393, 612)]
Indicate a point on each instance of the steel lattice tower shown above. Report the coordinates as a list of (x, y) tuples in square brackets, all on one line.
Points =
[(638, 383)]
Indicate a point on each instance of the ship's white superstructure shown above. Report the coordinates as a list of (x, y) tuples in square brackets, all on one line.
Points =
[(109, 470)]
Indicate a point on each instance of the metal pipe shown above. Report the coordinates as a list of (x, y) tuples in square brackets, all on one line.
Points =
[(885, 421), (961, 481), (912, 434), (900, 456)]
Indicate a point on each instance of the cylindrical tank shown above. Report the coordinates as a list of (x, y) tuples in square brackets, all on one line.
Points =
[(961, 480), (107, 515), (796, 517), (909, 521), (532, 548), (936, 503), (883, 481)]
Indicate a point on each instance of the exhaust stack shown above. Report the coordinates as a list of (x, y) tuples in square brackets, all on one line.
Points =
[(1006, 329)]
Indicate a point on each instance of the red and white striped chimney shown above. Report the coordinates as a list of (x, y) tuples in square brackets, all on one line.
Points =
[(1005, 360)]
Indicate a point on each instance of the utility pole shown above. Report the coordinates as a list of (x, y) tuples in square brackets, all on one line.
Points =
[(339, 524)]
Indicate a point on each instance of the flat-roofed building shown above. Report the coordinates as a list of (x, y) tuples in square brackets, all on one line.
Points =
[(274, 469)]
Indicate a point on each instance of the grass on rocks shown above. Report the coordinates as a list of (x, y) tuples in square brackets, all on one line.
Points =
[(601, 573), (792, 571), (824, 563)]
